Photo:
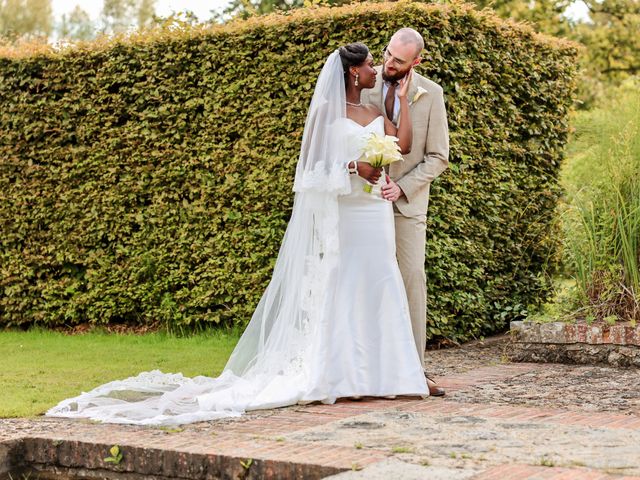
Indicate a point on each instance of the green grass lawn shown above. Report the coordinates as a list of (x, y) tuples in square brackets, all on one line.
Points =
[(40, 368)]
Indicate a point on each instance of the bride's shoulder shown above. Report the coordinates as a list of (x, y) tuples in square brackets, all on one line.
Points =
[(373, 109)]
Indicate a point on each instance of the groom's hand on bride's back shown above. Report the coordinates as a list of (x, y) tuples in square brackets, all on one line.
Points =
[(369, 173)]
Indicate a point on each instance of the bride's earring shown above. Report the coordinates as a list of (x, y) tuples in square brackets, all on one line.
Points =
[(357, 76)]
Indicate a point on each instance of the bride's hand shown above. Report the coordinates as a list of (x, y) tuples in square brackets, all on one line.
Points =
[(404, 84), (369, 173)]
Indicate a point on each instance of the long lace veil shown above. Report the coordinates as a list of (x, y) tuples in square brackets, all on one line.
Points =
[(310, 244), (274, 351)]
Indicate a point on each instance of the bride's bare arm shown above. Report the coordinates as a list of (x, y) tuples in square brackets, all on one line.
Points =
[(404, 131)]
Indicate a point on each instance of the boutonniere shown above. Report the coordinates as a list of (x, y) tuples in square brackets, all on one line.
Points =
[(418, 94)]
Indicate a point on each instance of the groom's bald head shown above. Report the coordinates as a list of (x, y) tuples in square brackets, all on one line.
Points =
[(402, 53), (410, 38)]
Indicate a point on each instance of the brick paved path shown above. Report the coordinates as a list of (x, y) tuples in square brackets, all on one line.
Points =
[(498, 421)]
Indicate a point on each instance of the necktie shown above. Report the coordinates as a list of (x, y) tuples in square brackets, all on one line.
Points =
[(390, 100)]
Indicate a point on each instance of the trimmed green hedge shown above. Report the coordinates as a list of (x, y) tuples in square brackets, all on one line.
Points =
[(150, 180)]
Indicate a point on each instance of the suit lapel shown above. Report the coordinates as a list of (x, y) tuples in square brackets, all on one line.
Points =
[(413, 89)]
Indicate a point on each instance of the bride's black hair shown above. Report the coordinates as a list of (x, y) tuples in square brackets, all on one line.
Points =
[(351, 55)]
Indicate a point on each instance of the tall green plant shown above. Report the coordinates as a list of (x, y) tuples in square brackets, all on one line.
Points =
[(602, 225)]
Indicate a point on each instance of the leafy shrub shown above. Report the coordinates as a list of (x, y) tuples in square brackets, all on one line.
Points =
[(149, 179)]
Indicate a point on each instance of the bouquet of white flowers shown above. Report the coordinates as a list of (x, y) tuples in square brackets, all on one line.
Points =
[(379, 152)]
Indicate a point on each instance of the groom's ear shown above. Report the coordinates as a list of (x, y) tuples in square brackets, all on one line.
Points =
[(417, 61)]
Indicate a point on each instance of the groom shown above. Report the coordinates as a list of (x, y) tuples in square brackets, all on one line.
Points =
[(410, 180)]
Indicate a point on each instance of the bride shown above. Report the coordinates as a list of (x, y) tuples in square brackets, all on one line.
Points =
[(334, 320)]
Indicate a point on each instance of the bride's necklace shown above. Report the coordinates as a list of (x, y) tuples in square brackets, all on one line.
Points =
[(354, 104)]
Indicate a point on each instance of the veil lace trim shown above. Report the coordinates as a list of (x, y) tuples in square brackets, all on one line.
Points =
[(274, 349)]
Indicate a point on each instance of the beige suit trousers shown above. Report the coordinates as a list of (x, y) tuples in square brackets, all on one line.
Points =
[(410, 252)]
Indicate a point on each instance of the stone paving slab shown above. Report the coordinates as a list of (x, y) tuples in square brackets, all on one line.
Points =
[(498, 420), (392, 469), (474, 438), (529, 472)]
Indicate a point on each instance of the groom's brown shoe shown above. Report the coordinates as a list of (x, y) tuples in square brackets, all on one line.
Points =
[(434, 389)]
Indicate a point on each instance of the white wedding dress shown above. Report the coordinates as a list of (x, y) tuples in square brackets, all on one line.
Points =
[(333, 322), (362, 346)]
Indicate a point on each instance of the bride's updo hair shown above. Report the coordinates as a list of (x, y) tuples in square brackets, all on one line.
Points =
[(351, 55)]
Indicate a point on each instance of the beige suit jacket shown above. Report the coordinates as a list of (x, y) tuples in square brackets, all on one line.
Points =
[(429, 155)]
